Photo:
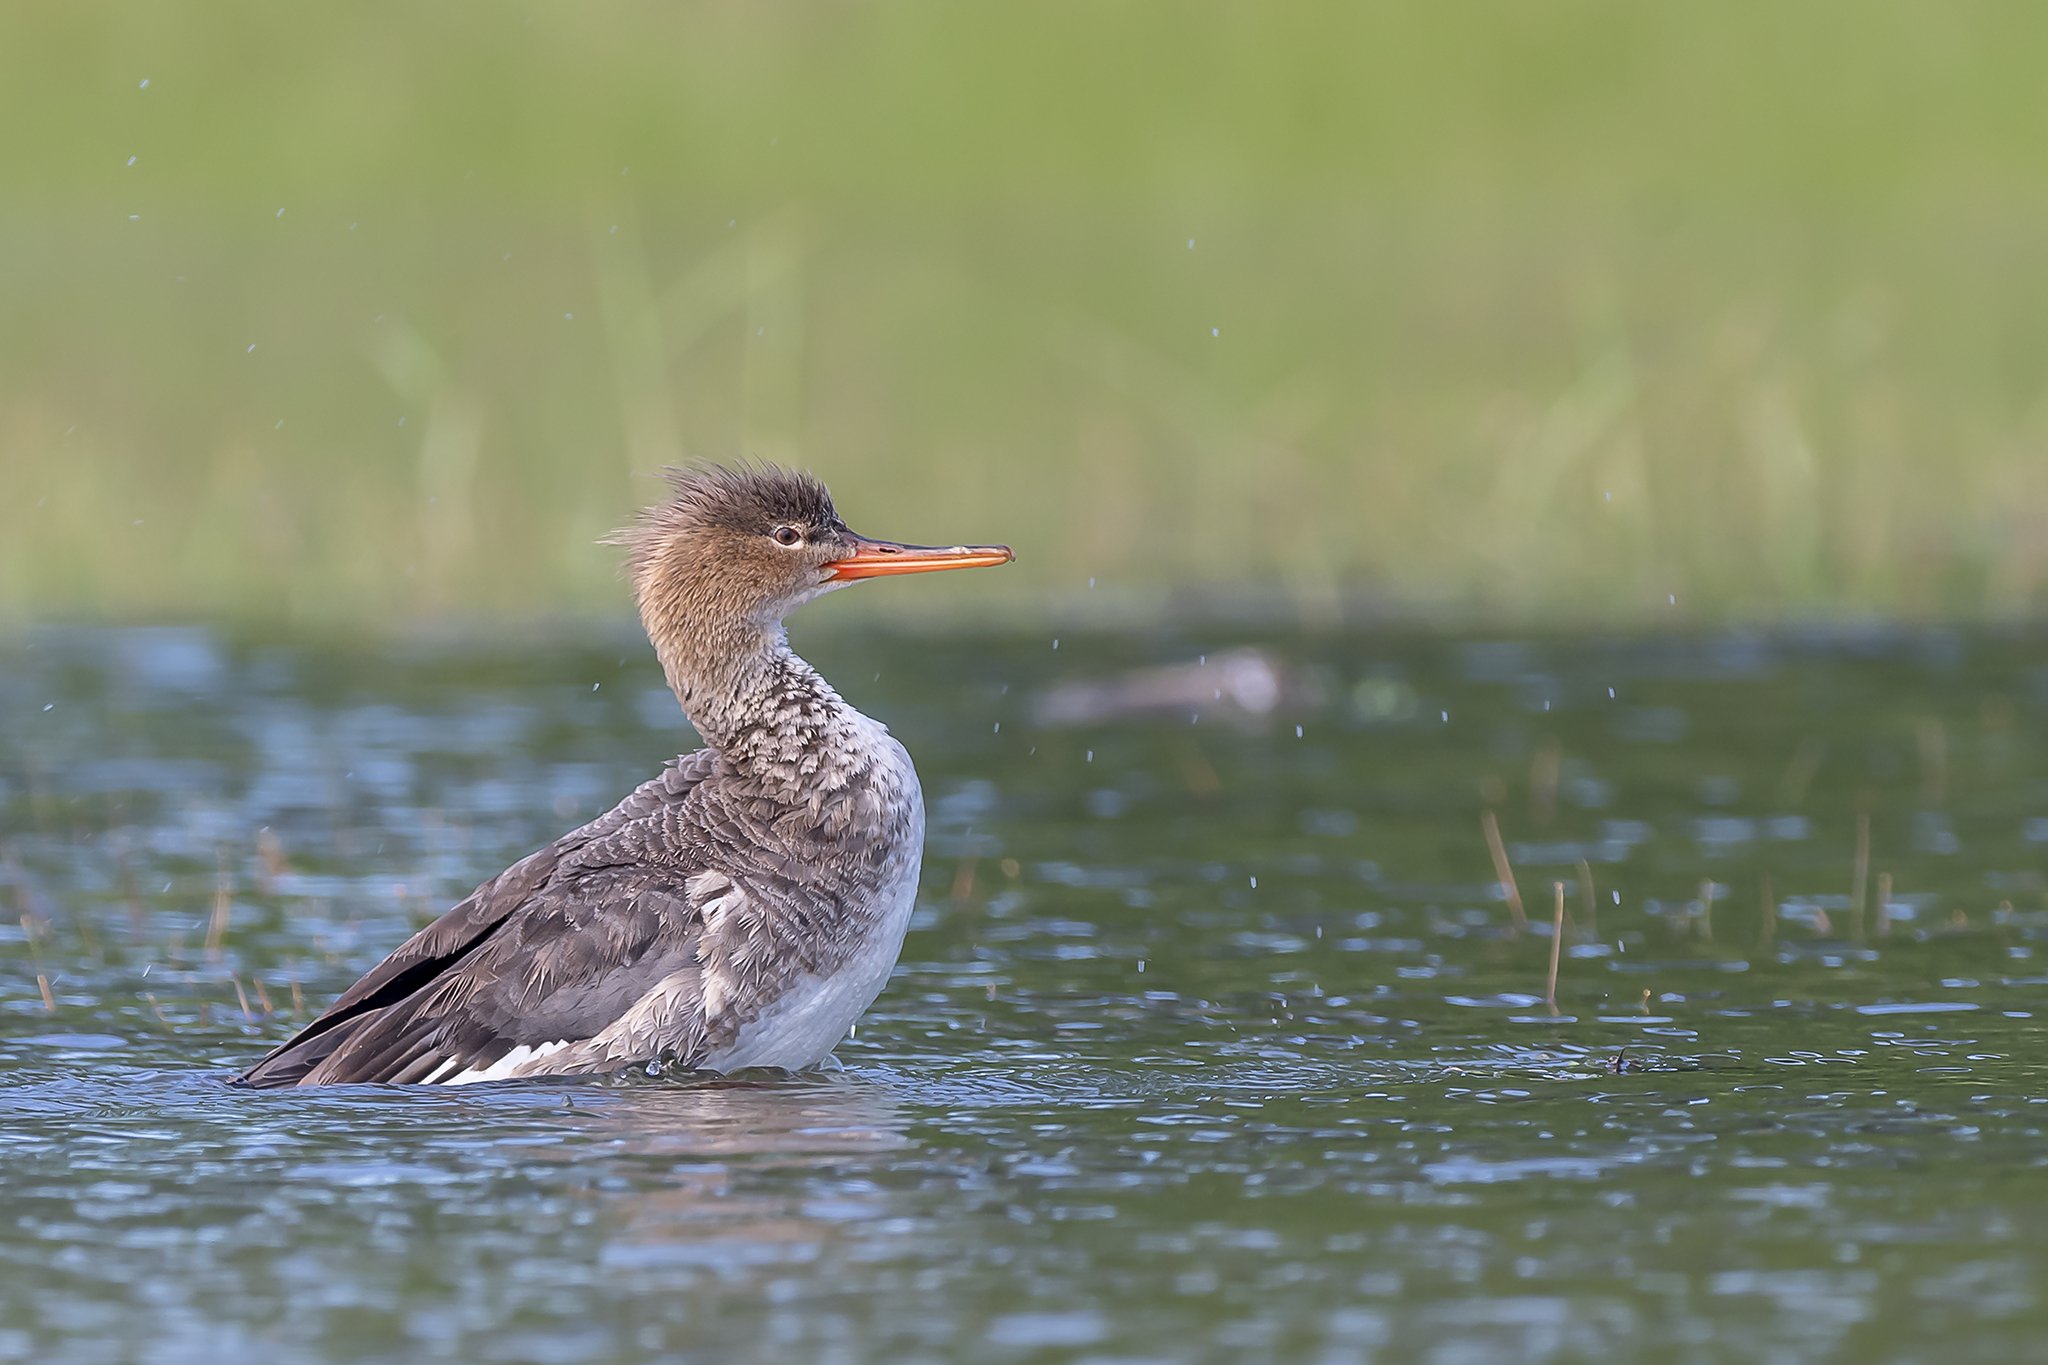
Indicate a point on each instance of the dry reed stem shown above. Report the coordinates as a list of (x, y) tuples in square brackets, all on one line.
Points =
[(242, 997), (963, 878), (271, 849), (1556, 946), (28, 938), (223, 908), (1884, 903), (1592, 906), (1502, 870)]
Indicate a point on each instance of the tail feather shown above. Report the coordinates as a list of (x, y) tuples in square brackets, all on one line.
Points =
[(288, 1064)]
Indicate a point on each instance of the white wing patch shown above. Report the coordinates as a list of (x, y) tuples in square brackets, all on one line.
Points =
[(512, 1064)]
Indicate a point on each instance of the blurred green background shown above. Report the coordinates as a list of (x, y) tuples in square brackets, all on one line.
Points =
[(1550, 313)]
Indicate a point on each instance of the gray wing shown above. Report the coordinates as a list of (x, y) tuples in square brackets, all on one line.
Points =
[(548, 951)]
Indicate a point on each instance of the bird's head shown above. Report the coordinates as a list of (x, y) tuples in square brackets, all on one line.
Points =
[(740, 547)]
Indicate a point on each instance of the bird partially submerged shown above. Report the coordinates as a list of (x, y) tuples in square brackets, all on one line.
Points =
[(741, 909)]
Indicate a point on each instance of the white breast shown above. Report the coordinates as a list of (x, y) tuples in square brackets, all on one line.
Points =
[(806, 1022), (802, 1025)]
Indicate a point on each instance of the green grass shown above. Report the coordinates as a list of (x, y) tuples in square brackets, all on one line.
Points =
[(1550, 312)]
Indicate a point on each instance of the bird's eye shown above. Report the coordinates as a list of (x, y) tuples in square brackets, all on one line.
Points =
[(788, 535)]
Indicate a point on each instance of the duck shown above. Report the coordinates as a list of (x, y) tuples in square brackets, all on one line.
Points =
[(739, 910)]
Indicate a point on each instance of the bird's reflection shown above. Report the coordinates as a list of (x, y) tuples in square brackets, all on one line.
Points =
[(778, 1117), (727, 1169)]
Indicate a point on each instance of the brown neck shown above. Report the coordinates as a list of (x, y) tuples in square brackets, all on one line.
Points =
[(717, 671), (755, 701)]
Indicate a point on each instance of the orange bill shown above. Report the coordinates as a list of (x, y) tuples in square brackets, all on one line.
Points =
[(874, 558)]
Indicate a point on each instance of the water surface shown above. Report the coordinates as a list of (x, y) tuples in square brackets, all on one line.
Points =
[(1215, 1037)]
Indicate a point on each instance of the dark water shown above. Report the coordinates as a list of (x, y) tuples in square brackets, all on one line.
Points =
[(1212, 1040)]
